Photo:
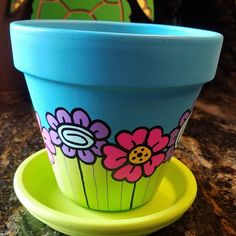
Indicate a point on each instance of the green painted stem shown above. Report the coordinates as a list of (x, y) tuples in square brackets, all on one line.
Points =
[(82, 179), (132, 197)]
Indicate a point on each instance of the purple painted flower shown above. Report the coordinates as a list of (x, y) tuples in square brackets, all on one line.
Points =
[(51, 150), (77, 135), (176, 134)]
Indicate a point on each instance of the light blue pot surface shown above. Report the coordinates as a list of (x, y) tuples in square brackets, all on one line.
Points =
[(128, 75)]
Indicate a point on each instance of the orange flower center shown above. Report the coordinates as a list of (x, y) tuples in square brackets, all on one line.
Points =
[(140, 155)]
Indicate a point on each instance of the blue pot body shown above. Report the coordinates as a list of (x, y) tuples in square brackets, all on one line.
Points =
[(128, 75), (123, 92)]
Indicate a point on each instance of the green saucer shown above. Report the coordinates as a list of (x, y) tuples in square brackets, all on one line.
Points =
[(37, 190)]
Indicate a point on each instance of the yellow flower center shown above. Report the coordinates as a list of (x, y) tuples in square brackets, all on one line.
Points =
[(140, 155)]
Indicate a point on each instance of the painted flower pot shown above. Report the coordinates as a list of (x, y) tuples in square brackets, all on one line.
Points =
[(112, 101)]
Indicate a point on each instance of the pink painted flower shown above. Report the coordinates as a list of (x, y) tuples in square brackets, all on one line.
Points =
[(176, 134), (51, 150), (136, 153)]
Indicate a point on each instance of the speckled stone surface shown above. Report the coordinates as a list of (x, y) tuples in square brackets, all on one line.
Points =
[(208, 148)]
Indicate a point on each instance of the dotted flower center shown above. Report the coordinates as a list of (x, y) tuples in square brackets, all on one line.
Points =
[(140, 155)]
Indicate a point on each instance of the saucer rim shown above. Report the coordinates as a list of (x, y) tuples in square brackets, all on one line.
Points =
[(148, 221)]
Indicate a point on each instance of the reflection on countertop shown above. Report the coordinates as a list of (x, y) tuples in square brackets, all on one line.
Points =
[(207, 148)]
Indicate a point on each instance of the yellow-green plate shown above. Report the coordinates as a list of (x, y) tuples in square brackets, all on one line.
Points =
[(37, 190)]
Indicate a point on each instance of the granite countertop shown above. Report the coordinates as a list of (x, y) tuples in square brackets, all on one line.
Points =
[(207, 148)]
